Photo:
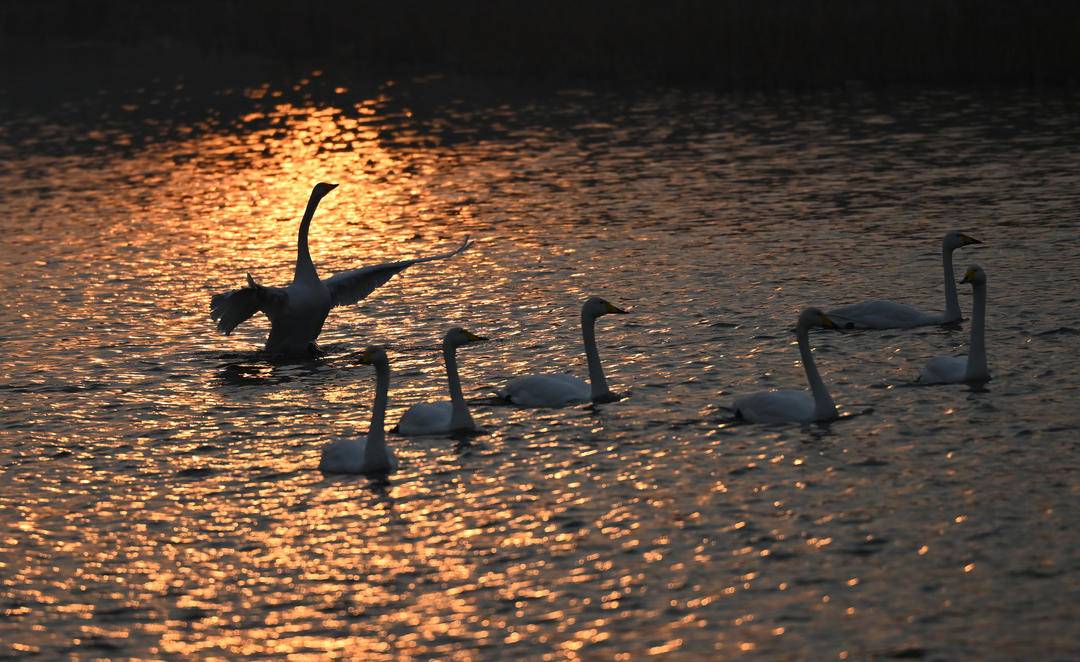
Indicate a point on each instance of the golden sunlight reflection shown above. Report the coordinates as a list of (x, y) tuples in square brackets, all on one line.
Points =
[(160, 496)]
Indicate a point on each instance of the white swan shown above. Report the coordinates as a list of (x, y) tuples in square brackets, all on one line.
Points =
[(794, 406), (297, 312), (972, 367), (559, 390), (882, 314), (370, 454), (450, 415)]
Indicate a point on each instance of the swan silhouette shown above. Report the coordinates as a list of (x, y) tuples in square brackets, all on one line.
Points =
[(370, 454), (882, 314), (971, 367), (794, 405), (297, 311), (558, 390)]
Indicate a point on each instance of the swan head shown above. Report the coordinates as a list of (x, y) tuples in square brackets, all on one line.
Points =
[(321, 189), (812, 317), (458, 337), (373, 355), (974, 275), (595, 307), (954, 240)]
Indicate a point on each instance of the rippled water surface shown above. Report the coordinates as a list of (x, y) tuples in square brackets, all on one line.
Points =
[(158, 485)]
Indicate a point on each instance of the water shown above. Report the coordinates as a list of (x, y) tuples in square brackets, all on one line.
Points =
[(159, 492)]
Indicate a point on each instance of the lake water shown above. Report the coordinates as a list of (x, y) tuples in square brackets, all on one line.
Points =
[(159, 495)]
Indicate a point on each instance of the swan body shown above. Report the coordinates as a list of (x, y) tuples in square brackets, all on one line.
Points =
[(297, 312), (370, 454), (944, 370), (970, 367), (794, 406), (884, 314), (451, 415), (777, 407), (547, 391), (427, 418), (559, 390)]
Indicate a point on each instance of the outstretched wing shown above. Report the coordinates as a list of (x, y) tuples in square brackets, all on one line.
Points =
[(351, 286), (233, 308)]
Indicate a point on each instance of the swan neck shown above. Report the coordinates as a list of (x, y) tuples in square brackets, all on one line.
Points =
[(597, 381), (976, 366), (952, 302), (305, 268), (824, 407), (459, 411), (375, 454)]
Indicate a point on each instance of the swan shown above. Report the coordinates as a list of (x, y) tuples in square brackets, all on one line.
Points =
[(794, 406), (297, 312), (563, 389), (367, 455), (881, 314), (972, 367), (449, 415)]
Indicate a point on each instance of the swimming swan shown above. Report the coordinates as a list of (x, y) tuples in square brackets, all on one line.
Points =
[(559, 390), (366, 455), (449, 415), (881, 314), (972, 367), (794, 406), (297, 312)]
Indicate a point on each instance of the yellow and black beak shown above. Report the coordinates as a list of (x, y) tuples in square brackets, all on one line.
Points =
[(612, 308), (827, 323), (967, 241), (475, 338), (367, 357), (969, 276)]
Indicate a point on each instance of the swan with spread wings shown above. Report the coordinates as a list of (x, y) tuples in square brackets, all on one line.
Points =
[(297, 312)]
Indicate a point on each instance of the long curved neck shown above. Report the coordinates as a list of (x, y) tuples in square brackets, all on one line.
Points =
[(375, 454), (976, 365), (824, 408), (305, 268), (459, 411), (597, 381), (952, 303)]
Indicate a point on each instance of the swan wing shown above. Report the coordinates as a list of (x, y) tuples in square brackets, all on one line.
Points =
[(426, 418), (230, 309), (546, 391), (776, 407), (944, 370), (348, 287), (882, 314)]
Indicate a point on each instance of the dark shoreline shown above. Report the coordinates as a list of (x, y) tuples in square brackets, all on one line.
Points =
[(725, 44)]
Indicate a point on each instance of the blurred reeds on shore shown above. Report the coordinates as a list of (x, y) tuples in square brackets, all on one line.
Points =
[(739, 44)]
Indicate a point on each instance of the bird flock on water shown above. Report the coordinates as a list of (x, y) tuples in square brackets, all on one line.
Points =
[(297, 313)]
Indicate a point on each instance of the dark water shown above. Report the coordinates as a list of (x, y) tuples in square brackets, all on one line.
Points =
[(159, 493)]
